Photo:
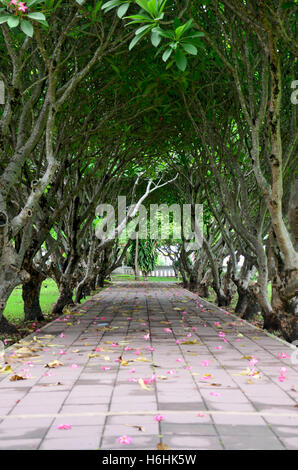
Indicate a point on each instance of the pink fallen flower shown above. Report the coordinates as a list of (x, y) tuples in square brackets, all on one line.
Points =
[(74, 366), (179, 359), (205, 363), (171, 372), (282, 355), (146, 337), (61, 352), (159, 418), (201, 415), (149, 348), (132, 371), (167, 330), (218, 347), (124, 440), (105, 368), (62, 335), (253, 361), (215, 394), (64, 426)]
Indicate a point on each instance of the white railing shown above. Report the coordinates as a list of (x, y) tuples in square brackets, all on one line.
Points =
[(159, 271)]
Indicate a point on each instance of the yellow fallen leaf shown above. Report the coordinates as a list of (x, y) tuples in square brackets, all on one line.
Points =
[(162, 446), (124, 363), (141, 359), (93, 355), (143, 386), (54, 364), (194, 341), (5, 369), (86, 344), (244, 372), (246, 357), (16, 377)]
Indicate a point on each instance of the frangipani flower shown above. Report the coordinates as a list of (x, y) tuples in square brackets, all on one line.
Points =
[(124, 440), (64, 426), (159, 418)]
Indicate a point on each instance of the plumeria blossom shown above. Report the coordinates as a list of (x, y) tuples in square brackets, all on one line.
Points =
[(167, 330), (159, 418), (253, 361), (205, 363), (282, 355), (146, 337), (124, 440), (64, 426), (62, 335)]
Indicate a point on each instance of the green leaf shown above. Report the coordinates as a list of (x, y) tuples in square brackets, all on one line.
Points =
[(182, 29), (142, 29), (4, 18), (167, 54), (13, 21), (181, 60), (33, 2), (288, 5), (190, 48), (155, 38), (110, 5), (122, 10), (36, 16), (135, 41), (27, 28)]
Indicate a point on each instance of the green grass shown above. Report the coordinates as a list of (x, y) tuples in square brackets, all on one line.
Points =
[(14, 310)]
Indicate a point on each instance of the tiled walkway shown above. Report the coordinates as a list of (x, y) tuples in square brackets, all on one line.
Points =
[(136, 351)]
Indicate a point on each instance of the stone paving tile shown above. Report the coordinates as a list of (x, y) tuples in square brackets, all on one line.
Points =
[(198, 381)]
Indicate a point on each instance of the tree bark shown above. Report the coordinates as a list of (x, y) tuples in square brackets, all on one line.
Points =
[(31, 296), (65, 298)]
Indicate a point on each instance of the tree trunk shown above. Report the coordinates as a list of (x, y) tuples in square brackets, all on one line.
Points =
[(137, 273), (100, 279), (31, 296), (65, 298)]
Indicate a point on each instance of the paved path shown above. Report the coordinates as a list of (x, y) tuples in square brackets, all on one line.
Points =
[(194, 362)]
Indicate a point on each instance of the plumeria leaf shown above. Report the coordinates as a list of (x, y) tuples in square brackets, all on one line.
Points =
[(36, 16), (167, 54), (27, 28), (155, 38), (4, 18), (122, 10), (13, 21), (190, 48)]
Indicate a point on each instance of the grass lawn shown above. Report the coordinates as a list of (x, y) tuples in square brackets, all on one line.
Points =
[(14, 310)]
